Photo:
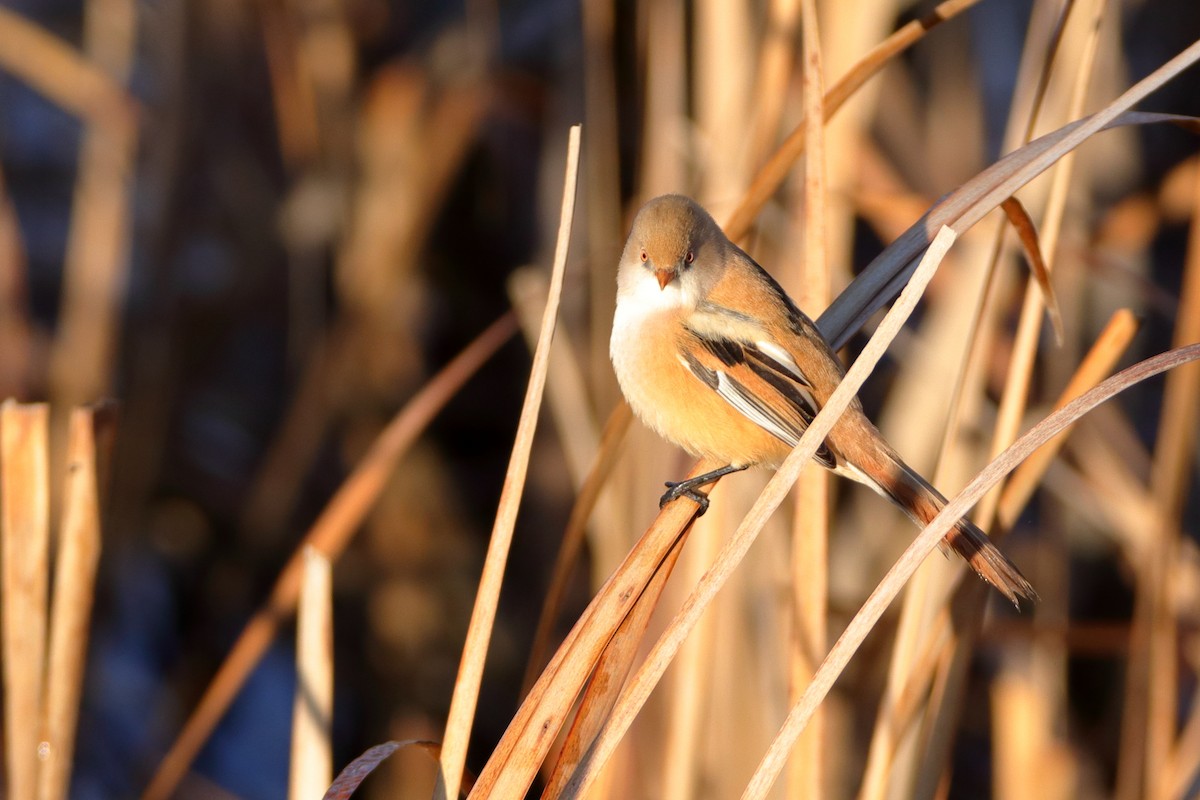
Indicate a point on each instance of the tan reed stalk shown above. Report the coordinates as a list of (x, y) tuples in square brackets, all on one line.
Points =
[(601, 188), (1185, 758), (777, 51), (609, 450), (665, 151), (917, 612), (97, 256), (810, 531), (689, 693), (71, 609), (470, 675), (330, 534), (1103, 356), (24, 581), (566, 387), (1155, 610), (1020, 373), (62, 74), (311, 767)]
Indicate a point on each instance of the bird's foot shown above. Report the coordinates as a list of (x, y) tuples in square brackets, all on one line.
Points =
[(677, 489)]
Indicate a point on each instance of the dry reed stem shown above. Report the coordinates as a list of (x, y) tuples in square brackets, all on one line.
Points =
[(311, 767), (25, 565), (1184, 762), (71, 610), (690, 692), (1103, 356), (612, 669), (292, 97), (1028, 761), (62, 74), (879, 341), (330, 534), (97, 255), (772, 174), (735, 549), (602, 185), (566, 386), (1169, 480), (470, 675), (1014, 399), (280, 478), (810, 527), (773, 73), (573, 537), (661, 38), (883, 594), (515, 761)]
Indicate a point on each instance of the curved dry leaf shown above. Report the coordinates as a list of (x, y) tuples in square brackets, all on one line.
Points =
[(1018, 217), (883, 278), (352, 776)]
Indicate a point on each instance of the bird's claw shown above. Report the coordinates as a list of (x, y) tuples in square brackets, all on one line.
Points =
[(675, 490)]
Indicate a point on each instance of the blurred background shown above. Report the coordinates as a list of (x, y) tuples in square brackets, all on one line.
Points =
[(261, 226)]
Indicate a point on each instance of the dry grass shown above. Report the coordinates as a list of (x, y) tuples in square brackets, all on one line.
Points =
[(758, 652)]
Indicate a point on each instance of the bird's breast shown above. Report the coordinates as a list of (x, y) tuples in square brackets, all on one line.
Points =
[(646, 351)]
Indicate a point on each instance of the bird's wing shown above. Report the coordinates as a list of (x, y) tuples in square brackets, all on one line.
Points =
[(757, 377)]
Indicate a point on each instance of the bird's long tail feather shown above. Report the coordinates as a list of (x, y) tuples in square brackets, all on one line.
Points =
[(912, 493)]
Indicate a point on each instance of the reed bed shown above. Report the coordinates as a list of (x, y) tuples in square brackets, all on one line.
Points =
[(298, 243)]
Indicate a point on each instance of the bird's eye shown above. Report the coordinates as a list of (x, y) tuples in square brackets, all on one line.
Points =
[(644, 256), (690, 257)]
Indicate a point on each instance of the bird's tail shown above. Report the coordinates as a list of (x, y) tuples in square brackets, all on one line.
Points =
[(922, 503)]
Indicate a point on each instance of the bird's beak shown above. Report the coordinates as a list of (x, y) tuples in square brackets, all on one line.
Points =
[(664, 276)]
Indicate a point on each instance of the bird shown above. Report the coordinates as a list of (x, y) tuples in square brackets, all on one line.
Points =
[(713, 355)]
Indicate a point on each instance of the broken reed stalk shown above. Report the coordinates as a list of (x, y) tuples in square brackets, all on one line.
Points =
[(470, 675), (330, 534), (311, 767), (24, 582), (71, 609)]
